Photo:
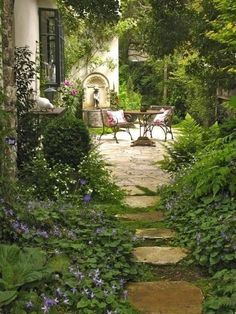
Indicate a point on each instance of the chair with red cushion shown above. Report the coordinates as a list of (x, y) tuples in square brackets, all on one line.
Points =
[(116, 121)]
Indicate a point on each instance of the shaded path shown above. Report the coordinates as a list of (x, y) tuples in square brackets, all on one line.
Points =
[(133, 167)]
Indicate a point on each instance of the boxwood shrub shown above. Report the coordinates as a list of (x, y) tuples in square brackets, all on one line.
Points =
[(66, 140)]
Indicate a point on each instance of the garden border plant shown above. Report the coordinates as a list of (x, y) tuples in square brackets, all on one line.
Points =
[(201, 204)]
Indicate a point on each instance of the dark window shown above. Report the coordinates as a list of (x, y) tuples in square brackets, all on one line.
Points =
[(51, 46)]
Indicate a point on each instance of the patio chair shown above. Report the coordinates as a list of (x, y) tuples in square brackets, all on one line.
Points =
[(163, 120), (115, 120)]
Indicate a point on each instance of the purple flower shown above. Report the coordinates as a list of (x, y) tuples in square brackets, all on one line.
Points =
[(67, 83), (8, 212), (66, 301), (29, 304), (59, 292), (24, 228), (98, 282), (74, 290), (43, 233), (87, 198), (74, 92), (99, 230), (83, 181), (48, 303)]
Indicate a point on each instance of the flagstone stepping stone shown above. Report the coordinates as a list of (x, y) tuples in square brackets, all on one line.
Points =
[(165, 297), (132, 190), (141, 201), (159, 255), (153, 233), (148, 216)]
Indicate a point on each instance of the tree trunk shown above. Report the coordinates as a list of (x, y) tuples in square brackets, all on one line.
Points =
[(165, 79), (8, 165)]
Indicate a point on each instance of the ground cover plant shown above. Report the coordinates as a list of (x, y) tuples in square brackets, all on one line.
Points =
[(65, 259), (201, 204)]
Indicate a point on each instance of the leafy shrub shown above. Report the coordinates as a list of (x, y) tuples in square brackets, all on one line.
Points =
[(223, 299), (201, 205), (43, 181), (72, 97), (128, 99), (190, 140), (91, 180), (66, 140), (27, 126)]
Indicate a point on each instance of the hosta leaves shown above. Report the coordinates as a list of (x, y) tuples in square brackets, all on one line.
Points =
[(19, 267), (7, 297)]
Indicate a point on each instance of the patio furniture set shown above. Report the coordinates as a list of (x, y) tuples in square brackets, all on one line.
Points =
[(119, 120)]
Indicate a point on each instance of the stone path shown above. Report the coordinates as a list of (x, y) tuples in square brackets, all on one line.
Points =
[(135, 170)]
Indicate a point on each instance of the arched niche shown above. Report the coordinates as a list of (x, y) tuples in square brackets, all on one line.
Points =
[(99, 81)]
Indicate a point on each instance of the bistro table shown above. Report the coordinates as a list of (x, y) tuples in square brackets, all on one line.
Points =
[(143, 119)]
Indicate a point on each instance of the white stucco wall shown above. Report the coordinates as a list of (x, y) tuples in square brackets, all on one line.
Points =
[(83, 71), (27, 23)]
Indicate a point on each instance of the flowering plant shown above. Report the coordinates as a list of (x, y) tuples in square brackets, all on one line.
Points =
[(71, 95)]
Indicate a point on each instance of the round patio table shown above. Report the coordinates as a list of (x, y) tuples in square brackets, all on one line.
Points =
[(143, 119)]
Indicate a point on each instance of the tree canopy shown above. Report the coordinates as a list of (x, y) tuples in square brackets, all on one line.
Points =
[(99, 10)]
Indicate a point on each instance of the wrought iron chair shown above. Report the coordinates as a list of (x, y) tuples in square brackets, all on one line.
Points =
[(163, 120), (115, 120)]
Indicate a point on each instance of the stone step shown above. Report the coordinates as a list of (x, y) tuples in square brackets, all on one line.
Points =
[(147, 216), (141, 201), (159, 255), (154, 233), (165, 297)]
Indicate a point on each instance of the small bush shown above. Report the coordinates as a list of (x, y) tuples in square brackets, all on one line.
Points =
[(66, 140), (44, 181)]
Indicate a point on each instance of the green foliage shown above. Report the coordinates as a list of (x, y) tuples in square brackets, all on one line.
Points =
[(66, 140), (85, 39), (25, 71), (100, 10), (27, 127), (89, 251), (169, 26), (19, 267), (201, 205), (72, 97), (44, 181), (190, 140), (223, 299), (128, 99)]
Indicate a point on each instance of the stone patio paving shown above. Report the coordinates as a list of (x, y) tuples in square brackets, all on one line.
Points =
[(135, 170)]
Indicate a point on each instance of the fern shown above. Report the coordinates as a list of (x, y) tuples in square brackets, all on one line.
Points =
[(192, 138), (223, 298)]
